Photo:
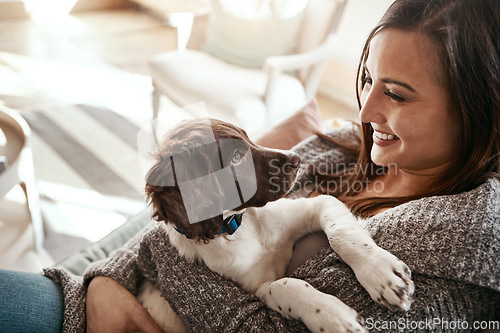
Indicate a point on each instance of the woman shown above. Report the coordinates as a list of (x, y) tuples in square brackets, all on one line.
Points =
[(425, 177)]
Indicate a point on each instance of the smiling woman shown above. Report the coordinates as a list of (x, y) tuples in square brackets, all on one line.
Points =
[(414, 123), (429, 96)]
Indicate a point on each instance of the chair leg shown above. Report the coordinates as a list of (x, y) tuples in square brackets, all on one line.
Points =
[(28, 185), (156, 103)]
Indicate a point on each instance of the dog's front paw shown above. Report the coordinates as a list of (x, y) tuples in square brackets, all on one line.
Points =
[(388, 280), (320, 312), (331, 315)]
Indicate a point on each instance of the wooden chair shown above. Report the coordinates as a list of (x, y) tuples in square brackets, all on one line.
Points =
[(260, 63), (18, 168)]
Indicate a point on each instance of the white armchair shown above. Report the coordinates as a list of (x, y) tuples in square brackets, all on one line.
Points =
[(257, 65)]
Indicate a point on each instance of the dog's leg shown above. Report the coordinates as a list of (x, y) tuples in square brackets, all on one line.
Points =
[(386, 278), (320, 312), (158, 307)]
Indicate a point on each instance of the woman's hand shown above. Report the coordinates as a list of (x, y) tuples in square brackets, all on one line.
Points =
[(112, 308)]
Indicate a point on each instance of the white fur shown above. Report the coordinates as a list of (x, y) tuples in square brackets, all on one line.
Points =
[(257, 254)]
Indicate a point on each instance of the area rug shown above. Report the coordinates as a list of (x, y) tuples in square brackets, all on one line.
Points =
[(87, 173)]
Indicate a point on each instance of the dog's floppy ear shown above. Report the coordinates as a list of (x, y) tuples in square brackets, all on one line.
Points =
[(170, 199), (162, 173), (162, 192)]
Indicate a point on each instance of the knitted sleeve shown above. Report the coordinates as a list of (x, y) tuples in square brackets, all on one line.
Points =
[(440, 305), (121, 264)]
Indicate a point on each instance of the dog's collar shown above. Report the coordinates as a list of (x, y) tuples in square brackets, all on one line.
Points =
[(229, 225)]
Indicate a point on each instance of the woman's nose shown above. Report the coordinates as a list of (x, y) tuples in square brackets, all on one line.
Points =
[(371, 108)]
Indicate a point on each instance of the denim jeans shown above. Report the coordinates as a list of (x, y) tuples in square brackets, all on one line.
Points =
[(29, 303)]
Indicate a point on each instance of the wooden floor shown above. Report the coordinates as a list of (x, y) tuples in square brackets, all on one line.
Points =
[(98, 57)]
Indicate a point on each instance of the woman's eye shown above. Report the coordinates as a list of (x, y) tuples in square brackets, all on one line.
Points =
[(395, 97), (237, 156)]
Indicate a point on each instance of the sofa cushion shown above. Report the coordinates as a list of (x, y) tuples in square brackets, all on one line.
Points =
[(245, 33), (301, 125), (78, 262)]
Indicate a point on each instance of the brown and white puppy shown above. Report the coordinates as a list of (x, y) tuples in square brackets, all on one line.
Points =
[(192, 188)]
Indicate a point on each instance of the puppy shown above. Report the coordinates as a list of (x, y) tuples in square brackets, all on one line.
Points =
[(218, 191)]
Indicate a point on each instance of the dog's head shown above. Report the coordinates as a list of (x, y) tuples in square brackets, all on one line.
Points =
[(205, 167)]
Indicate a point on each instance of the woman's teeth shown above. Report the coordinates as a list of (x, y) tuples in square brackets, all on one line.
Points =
[(385, 136)]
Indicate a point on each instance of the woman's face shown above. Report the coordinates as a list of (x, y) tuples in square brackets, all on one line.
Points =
[(411, 114)]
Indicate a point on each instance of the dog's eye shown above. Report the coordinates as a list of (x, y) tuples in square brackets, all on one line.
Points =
[(237, 156)]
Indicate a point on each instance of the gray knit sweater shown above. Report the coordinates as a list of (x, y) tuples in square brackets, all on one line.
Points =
[(451, 244)]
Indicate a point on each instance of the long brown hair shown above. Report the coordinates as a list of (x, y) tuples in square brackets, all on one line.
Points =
[(467, 35)]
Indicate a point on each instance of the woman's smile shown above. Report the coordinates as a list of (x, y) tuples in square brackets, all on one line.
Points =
[(383, 139)]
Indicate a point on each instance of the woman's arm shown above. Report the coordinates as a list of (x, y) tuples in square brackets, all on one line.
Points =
[(111, 305), (121, 265), (437, 301)]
